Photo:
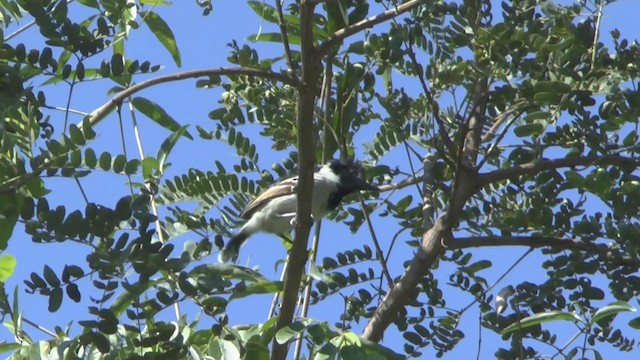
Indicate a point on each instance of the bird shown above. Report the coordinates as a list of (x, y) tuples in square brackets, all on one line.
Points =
[(274, 211)]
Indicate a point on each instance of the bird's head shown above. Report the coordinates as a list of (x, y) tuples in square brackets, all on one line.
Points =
[(351, 175)]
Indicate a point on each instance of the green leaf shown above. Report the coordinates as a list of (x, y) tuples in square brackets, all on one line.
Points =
[(149, 166), (538, 115), (132, 167), (274, 37), (574, 179), (167, 146), (156, 113), (268, 287), (105, 161), (73, 292), (289, 332), (122, 302), (635, 323), (51, 276), (541, 318), (10, 205), (534, 129), (265, 11), (412, 337), (90, 3), (55, 299), (611, 310), (76, 135), (551, 86), (163, 33), (6, 347), (90, 158), (7, 266), (477, 266), (222, 349), (118, 163), (550, 98)]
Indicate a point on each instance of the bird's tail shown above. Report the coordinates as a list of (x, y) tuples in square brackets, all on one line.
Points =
[(232, 248)]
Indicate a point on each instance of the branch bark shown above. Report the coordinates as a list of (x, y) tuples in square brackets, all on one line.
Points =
[(343, 33), (531, 241), (298, 255), (105, 109), (546, 164)]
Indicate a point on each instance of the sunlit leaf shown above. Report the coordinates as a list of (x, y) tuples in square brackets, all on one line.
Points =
[(541, 318), (163, 33)]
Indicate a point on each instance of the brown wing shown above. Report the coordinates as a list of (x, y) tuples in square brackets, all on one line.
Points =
[(285, 187)]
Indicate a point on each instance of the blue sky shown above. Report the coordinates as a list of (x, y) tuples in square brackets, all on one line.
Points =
[(202, 42)]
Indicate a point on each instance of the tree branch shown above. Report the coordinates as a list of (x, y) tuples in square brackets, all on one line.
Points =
[(395, 299), (531, 241), (409, 181), (343, 33), (546, 164), (311, 71), (105, 109), (285, 37)]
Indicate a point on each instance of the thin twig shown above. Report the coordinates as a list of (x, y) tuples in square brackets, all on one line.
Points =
[(374, 238), (285, 38), (72, 111), (276, 296), (154, 205), (44, 330), (498, 140), (479, 335), (596, 35), (498, 281), (433, 104)]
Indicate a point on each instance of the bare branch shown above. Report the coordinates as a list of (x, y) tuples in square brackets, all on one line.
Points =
[(105, 109), (531, 241), (343, 33), (546, 164), (409, 181), (433, 104), (376, 243), (285, 37)]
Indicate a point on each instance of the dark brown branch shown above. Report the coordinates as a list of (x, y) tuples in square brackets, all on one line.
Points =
[(343, 33), (105, 109), (306, 147), (546, 164), (531, 241)]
